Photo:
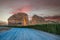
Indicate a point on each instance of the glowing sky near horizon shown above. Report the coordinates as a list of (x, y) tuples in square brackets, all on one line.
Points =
[(31, 7)]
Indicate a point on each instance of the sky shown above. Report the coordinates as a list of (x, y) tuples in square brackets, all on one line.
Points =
[(42, 8)]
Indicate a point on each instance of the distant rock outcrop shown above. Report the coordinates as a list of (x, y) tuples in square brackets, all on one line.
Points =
[(3, 23), (53, 18), (37, 19), (19, 19)]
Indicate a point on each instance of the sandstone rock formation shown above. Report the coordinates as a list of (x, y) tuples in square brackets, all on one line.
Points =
[(19, 19)]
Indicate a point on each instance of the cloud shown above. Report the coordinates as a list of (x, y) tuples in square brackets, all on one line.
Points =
[(44, 7)]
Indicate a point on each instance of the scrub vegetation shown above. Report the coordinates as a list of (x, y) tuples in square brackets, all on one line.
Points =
[(50, 28)]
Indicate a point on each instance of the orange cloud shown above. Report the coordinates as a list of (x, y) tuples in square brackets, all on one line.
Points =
[(24, 9)]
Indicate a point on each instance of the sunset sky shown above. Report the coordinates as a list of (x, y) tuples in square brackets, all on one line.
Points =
[(39, 7)]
